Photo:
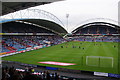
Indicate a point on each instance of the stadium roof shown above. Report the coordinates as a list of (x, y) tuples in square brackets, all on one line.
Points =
[(40, 23), (96, 23), (9, 7), (47, 24)]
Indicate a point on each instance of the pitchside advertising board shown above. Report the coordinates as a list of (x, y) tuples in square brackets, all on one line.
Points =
[(106, 74)]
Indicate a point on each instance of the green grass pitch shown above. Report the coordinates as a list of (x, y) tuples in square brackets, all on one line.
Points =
[(74, 55)]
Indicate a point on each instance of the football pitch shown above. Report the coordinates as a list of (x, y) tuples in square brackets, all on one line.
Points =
[(88, 56)]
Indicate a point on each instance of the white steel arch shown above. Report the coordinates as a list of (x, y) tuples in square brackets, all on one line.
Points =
[(96, 20), (32, 14)]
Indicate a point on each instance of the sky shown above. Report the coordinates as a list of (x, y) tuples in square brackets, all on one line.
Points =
[(81, 10)]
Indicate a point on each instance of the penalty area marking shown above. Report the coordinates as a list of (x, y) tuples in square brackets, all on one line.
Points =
[(57, 63)]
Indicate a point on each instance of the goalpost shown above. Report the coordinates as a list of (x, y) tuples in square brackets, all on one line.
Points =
[(100, 61)]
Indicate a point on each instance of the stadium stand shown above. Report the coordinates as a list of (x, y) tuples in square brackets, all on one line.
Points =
[(11, 43), (28, 36), (96, 32), (96, 38), (21, 42), (23, 28), (14, 43), (96, 28)]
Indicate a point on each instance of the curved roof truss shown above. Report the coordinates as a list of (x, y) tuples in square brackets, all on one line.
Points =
[(104, 20), (32, 14)]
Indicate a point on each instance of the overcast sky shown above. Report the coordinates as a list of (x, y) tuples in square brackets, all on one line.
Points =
[(81, 10)]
